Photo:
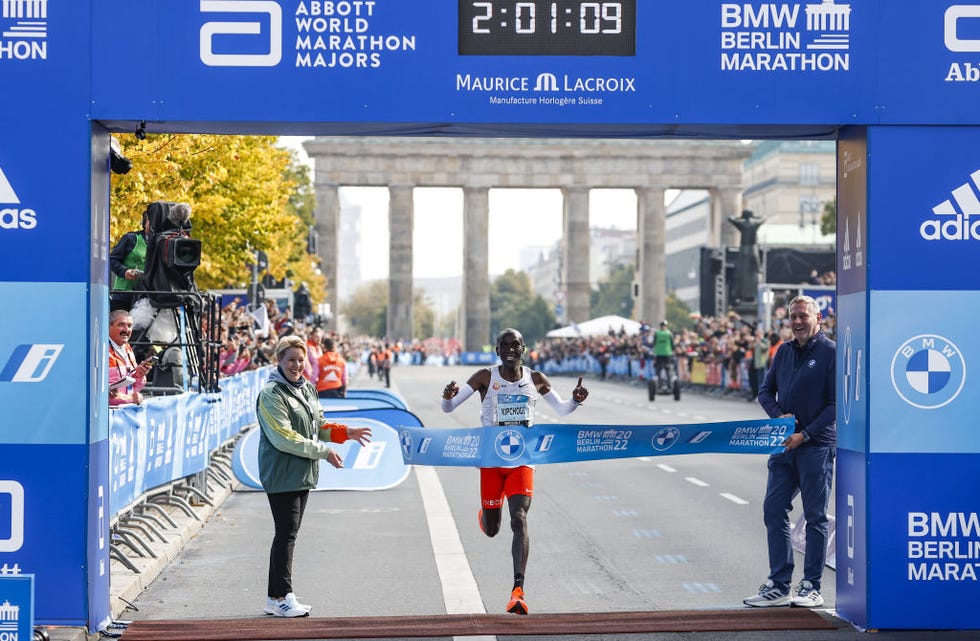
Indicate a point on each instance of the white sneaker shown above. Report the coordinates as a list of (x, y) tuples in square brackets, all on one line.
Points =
[(288, 607), (807, 596), (769, 596)]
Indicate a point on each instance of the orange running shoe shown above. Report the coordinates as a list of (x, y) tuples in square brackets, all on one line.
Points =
[(517, 604)]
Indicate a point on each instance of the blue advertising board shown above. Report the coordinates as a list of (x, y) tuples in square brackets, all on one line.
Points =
[(925, 185), (922, 451), (16, 606), (630, 68), (806, 63), (852, 377), (922, 399), (924, 547)]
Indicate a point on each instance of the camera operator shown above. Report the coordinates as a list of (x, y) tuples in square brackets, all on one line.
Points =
[(126, 262)]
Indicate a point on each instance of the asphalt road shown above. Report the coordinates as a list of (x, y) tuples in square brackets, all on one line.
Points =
[(657, 533)]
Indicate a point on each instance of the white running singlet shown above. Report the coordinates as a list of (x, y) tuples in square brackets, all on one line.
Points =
[(508, 403)]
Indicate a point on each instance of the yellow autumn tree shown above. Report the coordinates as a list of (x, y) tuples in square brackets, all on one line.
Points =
[(245, 194)]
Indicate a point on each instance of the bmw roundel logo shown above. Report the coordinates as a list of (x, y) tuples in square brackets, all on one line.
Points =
[(928, 371), (405, 438), (665, 438), (509, 444)]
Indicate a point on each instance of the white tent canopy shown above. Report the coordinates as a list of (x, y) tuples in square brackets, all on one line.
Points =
[(597, 327)]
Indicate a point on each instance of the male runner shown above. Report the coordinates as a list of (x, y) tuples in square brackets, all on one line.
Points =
[(509, 392)]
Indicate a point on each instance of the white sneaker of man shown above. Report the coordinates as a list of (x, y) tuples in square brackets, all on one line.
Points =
[(287, 607), (807, 596), (769, 596)]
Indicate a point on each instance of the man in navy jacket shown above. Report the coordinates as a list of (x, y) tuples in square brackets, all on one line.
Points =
[(801, 384)]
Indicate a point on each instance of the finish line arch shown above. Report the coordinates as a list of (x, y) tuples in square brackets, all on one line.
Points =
[(897, 87)]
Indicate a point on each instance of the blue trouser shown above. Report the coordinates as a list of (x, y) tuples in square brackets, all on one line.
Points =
[(808, 471)]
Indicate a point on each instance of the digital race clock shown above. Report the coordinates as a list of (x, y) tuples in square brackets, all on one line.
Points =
[(547, 28)]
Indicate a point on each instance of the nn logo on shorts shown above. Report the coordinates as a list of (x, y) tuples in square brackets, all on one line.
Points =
[(246, 50), (928, 371), (30, 363)]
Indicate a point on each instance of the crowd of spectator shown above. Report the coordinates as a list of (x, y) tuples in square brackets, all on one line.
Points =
[(248, 339), (726, 353)]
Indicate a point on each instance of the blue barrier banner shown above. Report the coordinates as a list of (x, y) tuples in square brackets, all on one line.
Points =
[(376, 466), (478, 358), (16, 606), (562, 443), (171, 437), (353, 403), (385, 395)]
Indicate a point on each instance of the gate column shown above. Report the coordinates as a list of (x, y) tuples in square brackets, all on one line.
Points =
[(401, 223), (327, 214), (575, 253), (476, 267), (725, 204), (651, 270)]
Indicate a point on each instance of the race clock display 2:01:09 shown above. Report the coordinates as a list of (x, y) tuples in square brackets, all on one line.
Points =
[(547, 28)]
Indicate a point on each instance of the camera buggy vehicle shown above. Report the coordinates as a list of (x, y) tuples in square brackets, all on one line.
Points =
[(665, 380)]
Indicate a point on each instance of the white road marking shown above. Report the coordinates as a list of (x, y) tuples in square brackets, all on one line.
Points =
[(734, 499), (665, 467), (696, 481), (459, 589)]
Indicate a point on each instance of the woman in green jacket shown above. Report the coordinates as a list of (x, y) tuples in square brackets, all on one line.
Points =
[(292, 441)]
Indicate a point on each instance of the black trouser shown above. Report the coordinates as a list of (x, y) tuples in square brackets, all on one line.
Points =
[(337, 392), (287, 513), (661, 365)]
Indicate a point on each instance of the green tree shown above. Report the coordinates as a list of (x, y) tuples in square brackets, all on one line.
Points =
[(678, 313), (243, 196), (367, 311), (828, 220), (514, 304), (423, 316), (614, 295)]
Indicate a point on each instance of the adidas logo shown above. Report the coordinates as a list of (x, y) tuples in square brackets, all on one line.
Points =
[(7, 193), (13, 217), (953, 224)]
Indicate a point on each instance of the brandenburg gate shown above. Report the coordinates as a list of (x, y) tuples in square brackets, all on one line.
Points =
[(477, 165)]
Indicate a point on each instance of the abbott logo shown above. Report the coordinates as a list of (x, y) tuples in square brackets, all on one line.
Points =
[(30, 363), (246, 27), (954, 14), (956, 224), (15, 540)]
